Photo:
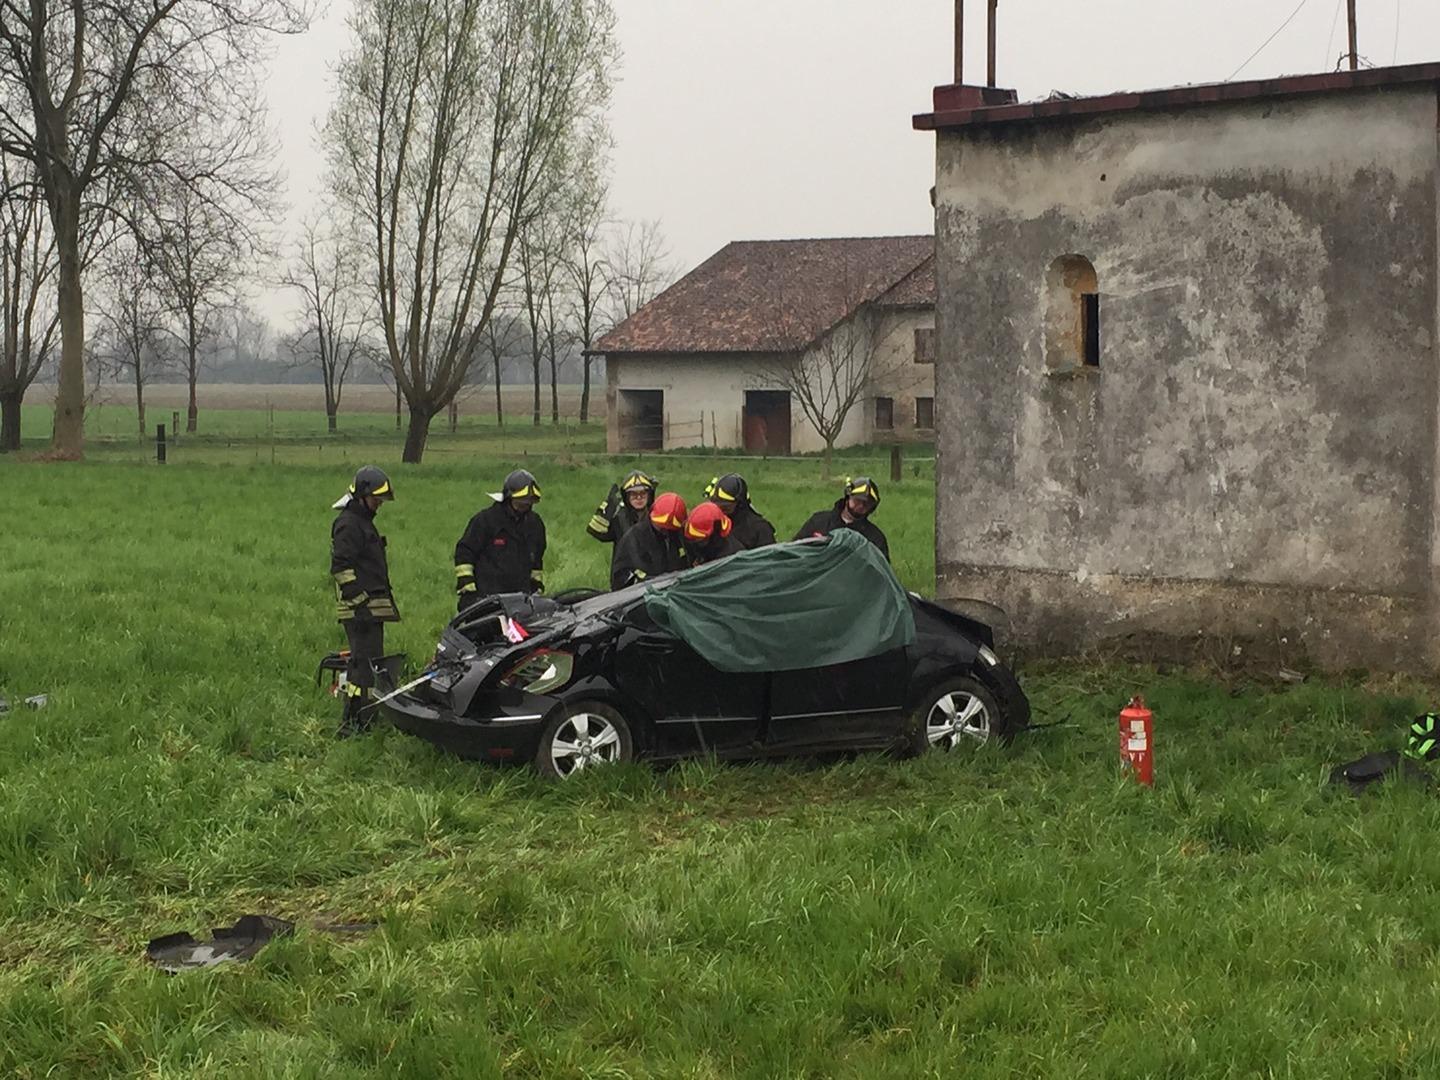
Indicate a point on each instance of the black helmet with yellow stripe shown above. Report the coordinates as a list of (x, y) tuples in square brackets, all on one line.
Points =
[(519, 484), (636, 480), (728, 491), (862, 487), (370, 480)]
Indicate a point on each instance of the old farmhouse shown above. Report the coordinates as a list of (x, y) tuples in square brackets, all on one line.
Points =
[(1205, 324), (768, 342)]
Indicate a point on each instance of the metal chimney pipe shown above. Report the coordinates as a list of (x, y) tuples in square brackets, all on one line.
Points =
[(990, 73), (1354, 49), (959, 42)]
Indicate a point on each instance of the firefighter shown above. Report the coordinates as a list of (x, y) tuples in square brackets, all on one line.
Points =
[(627, 505), (748, 528), (653, 548), (708, 535), (362, 584), (503, 547), (851, 511)]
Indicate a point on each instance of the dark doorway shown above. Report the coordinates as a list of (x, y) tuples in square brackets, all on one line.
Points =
[(640, 419), (767, 421)]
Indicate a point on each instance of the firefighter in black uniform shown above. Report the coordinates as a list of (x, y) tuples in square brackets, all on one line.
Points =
[(627, 505), (503, 547), (708, 535), (851, 511), (651, 548), (748, 528), (362, 583)]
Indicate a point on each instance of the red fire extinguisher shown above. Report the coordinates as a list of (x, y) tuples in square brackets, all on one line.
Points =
[(1137, 753)]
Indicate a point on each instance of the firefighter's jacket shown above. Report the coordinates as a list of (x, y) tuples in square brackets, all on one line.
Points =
[(715, 548), (825, 522), (645, 552), (614, 517), (357, 563), (500, 552), (748, 528)]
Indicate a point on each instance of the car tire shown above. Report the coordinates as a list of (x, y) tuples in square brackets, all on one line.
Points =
[(583, 735), (961, 711)]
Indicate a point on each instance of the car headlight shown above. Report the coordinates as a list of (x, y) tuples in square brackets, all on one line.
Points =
[(989, 657), (541, 671)]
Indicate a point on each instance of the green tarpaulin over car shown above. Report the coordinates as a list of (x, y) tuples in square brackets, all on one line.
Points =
[(788, 606)]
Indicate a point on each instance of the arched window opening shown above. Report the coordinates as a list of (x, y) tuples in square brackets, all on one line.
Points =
[(1072, 315)]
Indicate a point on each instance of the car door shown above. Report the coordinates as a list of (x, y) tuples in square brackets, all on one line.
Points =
[(696, 708), (842, 704)]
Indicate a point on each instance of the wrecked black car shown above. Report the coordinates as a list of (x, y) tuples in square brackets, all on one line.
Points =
[(793, 648)]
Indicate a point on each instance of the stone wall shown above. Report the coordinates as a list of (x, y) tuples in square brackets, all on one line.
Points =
[(1251, 466)]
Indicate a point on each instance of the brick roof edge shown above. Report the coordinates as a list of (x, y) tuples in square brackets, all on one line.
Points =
[(944, 119)]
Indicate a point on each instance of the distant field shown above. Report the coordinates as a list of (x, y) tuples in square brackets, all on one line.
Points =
[(480, 401), (288, 413)]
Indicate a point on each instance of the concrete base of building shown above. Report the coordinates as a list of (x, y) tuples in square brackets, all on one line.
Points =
[(1230, 624)]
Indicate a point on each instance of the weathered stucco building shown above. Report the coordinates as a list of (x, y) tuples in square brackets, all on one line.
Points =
[(723, 357), (1204, 322)]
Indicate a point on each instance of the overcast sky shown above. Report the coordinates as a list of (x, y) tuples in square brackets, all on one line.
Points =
[(763, 119)]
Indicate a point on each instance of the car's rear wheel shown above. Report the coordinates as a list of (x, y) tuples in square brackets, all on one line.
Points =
[(583, 735), (959, 712)]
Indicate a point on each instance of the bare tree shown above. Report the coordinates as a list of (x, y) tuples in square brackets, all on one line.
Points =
[(30, 320), (113, 93), (829, 370), (132, 322), (585, 265), (451, 117), (541, 277), (203, 248), (336, 316), (640, 266), (503, 336), (248, 335)]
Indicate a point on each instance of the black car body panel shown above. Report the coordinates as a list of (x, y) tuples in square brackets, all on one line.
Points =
[(482, 702)]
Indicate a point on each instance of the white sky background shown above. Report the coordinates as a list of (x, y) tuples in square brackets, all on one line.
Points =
[(768, 119)]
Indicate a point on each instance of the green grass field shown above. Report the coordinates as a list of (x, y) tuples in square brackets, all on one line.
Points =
[(1006, 913)]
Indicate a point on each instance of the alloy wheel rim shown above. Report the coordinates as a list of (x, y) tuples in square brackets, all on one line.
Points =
[(957, 717), (584, 741)]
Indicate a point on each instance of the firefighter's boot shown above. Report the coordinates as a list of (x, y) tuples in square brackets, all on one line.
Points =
[(354, 720)]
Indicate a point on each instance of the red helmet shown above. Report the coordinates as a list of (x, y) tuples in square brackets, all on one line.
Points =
[(668, 512), (706, 522)]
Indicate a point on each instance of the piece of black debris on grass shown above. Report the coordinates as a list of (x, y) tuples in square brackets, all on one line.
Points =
[(251, 933)]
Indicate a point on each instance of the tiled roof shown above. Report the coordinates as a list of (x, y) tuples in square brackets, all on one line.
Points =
[(770, 295), (968, 106), (915, 289)]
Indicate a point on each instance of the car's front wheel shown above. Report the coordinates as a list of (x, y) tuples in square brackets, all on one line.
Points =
[(959, 712), (584, 735)]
